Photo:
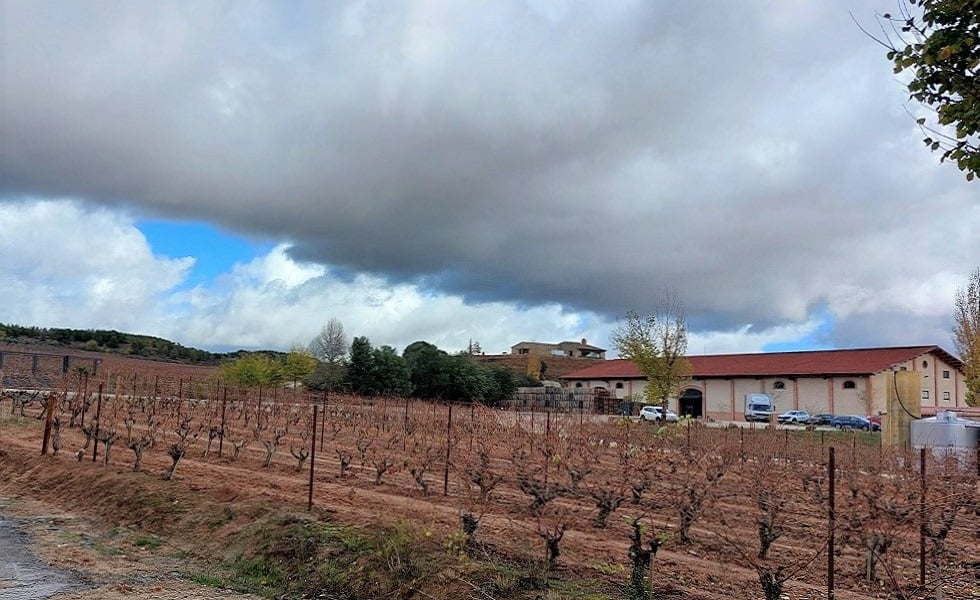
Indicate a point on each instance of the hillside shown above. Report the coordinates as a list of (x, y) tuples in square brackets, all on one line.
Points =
[(57, 340)]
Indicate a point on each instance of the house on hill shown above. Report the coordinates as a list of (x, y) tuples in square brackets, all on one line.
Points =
[(820, 381), (570, 349)]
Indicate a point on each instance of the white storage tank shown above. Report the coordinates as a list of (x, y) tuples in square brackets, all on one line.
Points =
[(946, 432)]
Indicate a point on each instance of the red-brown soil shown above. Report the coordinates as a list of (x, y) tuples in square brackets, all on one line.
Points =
[(716, 564)]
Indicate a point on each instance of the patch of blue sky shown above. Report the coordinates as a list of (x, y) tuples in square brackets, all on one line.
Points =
[(215, 251), (819, 338)]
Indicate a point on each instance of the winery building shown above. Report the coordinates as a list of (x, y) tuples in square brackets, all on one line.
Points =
[(854, 381)]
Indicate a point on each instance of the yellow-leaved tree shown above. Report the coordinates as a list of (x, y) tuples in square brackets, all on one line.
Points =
[(657, 343), (966, 334)]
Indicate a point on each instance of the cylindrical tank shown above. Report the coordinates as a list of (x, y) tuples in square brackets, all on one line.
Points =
[(946, 432)]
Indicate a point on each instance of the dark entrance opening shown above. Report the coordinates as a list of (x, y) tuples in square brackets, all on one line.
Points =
[(690, 403)]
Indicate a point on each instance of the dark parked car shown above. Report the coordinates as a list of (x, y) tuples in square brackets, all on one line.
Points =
[(851, 422), (820, 419)]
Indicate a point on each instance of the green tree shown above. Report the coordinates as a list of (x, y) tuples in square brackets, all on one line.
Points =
[(298, 364), (505, 384), (428, 366), (466, 380), (966, 334), (657, 343), (940, 47), (253, 370), (392, 375), (360, 368)]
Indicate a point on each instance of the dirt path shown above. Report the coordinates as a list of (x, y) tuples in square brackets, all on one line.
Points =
[(51, 553)]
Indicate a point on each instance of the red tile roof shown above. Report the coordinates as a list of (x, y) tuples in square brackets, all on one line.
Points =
[(859, 361)]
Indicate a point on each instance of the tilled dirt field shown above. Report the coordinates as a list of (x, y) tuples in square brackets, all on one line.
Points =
[(135, 553)]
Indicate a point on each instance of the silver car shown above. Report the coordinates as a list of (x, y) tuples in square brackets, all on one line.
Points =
[(794, 416)]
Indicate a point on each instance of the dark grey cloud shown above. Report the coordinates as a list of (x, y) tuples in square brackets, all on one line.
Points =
[(754, 157)]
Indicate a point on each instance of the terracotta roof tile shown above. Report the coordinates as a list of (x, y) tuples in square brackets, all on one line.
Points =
[(859, 361)]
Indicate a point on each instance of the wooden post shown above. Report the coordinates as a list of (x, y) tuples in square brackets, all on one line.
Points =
[(84, 400), (52, 404), (309, 502), (741, 444), (449, 431), (922, 516), (831, 522), (98, 416), (221, 436), (405, 427), (547, 442), (532, 427), (323, 419)]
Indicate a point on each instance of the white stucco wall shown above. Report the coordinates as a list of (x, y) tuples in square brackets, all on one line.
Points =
[(723, 399)]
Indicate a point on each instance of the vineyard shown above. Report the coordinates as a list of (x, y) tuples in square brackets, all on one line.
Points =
[(682, 511)]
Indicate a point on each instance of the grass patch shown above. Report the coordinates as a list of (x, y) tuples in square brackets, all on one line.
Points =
[(299, 556), (226, 515), (147, 542)]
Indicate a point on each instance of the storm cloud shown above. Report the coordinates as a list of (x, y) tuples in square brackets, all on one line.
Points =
[(757, 158)]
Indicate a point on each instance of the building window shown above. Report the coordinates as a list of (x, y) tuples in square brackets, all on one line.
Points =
[(619, 385), (945, 374), (946, 396), (578, 385), (849, 385), (925, 364), (903, 368), (925, 394), (779, 385)]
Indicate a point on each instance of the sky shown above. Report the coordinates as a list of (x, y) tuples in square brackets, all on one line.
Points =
[(235, 174)]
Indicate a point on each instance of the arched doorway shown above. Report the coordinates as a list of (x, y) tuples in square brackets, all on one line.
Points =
[(691, 403)]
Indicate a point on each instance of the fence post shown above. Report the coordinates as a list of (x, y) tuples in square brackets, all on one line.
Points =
[(449, 430), (405, 426), (84, 399), (98, 417), (52, 403), (309, 503), (323, 418), (221, 436), (741, 444), (922, 516), (831, 522)]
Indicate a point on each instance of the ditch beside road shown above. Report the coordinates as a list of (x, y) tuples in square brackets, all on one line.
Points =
[(48, 553), (24, 576)]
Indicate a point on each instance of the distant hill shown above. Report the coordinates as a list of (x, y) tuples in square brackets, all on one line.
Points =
[(116, 342)]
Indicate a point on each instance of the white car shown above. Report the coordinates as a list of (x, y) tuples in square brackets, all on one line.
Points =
[(794, 416), (655, 413)]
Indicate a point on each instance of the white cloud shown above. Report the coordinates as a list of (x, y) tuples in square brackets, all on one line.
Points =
[(62, 265), (94, 269)]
